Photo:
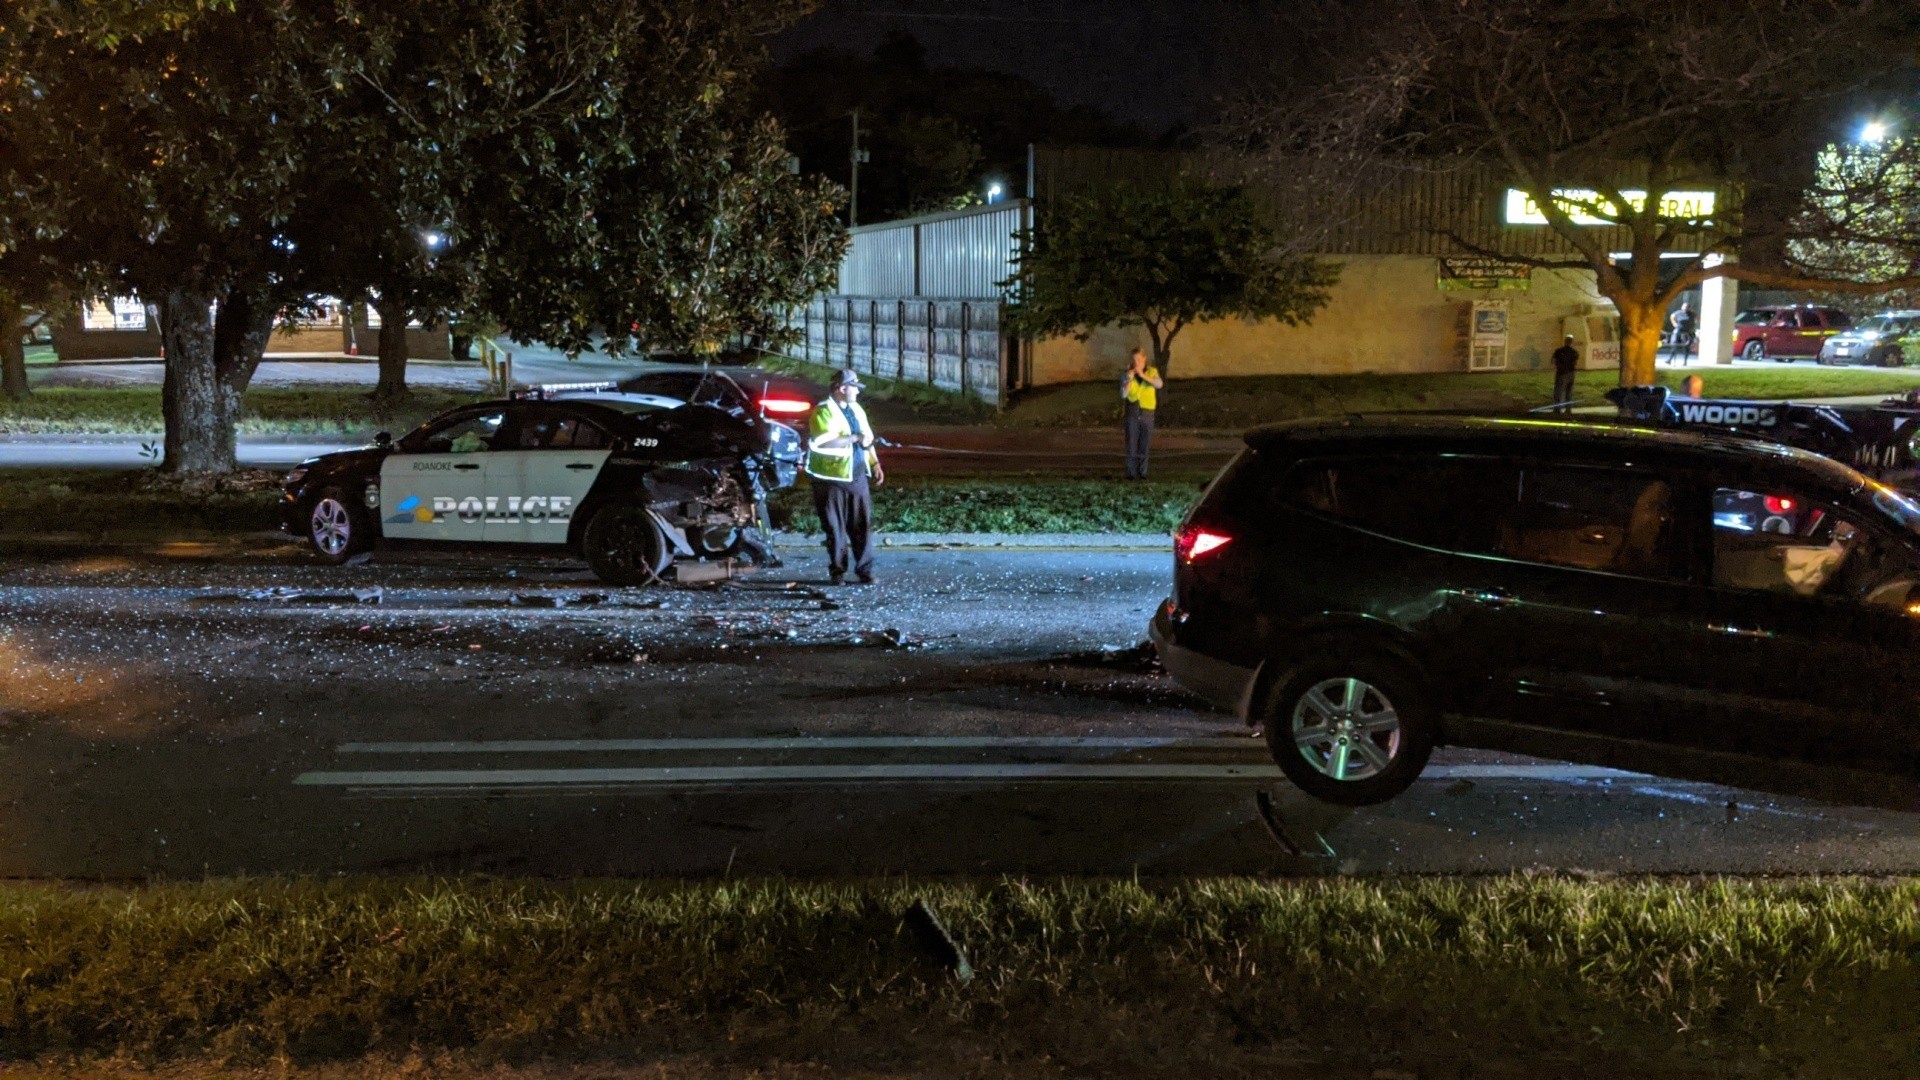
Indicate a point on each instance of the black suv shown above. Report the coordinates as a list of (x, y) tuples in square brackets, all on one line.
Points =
[(1367, 588)]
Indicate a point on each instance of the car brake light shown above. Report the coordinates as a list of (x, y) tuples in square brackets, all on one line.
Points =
[(1779, 504), (785, 406), (1192, 542)]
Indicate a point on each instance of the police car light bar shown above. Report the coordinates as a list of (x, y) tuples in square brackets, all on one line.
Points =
[(785, 406), (547, 390)]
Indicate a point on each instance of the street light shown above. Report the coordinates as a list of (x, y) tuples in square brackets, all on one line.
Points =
[(994, 191), (1873, 131)]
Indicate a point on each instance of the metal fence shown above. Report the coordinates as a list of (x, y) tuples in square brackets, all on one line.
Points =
[(950, 344)]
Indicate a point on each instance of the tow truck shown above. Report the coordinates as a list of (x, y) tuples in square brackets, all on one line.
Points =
[(1880, 440)]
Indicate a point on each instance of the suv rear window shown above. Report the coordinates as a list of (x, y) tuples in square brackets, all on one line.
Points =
[(1450, 503)]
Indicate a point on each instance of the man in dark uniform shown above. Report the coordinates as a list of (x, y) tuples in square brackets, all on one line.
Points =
[(841, 463), (1566, 360)]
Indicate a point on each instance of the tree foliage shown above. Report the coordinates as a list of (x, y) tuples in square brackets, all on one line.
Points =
[(1605, 97), (1162, 258), (586, 166)]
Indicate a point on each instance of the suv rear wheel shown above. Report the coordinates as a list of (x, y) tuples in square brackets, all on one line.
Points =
[(1755, 350), (1352, 730)]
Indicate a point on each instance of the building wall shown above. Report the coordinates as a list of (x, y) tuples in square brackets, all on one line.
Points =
[(1387, 315), (71, 342)]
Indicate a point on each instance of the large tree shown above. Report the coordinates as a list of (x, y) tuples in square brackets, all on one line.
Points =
[(157, 154), (1161, 257), (1599, 111), (589, 167)]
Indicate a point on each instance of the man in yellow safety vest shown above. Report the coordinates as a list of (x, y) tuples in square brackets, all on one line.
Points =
[(841, 463)]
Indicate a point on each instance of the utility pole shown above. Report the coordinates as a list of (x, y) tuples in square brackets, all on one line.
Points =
[(858, 156)]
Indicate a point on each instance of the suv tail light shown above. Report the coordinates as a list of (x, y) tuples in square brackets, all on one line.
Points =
[(1195, 542)]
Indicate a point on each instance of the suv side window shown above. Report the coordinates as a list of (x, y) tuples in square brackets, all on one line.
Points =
[(1592, 518), (1782, 543), (1450, 503)]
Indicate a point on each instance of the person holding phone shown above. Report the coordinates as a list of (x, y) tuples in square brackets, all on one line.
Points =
[(1140, 390)]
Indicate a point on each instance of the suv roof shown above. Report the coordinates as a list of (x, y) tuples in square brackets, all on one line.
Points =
[(1511, 433)]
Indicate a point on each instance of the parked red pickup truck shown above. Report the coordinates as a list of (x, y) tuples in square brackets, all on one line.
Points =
[(1786, 333)]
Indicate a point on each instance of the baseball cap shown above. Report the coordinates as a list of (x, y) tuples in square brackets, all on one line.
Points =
[(846, 377)]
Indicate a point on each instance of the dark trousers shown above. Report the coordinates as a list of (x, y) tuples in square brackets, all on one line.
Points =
[(1139, 425), (846, 513), (1562, 387)]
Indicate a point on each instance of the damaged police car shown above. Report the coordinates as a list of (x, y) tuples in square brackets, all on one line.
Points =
[(628, 484)]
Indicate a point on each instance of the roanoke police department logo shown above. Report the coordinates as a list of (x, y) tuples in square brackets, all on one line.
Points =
[(411, 509)]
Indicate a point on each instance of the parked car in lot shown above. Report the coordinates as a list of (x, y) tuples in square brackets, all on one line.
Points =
[(1880, 341), (1371, 587), (629, 483), (1794, 332)]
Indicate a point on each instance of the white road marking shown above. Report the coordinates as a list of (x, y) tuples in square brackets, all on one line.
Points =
[(858, 742), (815, 774)]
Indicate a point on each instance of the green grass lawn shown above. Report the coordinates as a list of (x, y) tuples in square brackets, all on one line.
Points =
[(1505, 976), (1247, 401), (292, 410), (1025, 503)]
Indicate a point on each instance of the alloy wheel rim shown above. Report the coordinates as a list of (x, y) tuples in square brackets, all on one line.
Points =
[(1346, 729), (332, 529)]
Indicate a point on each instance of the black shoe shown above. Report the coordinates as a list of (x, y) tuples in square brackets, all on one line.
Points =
[(836, 579), (865, 579)]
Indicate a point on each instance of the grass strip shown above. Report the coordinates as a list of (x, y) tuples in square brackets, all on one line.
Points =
[(269, 410), (1570, 977), (1018, 503), (1250, 400), (142, 502)]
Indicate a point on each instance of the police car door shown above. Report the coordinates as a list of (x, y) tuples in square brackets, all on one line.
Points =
[(537, 484), (433, 487)]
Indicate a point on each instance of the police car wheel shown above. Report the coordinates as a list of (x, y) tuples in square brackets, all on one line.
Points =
[(1353, 730), (624, 546), (338, 526)]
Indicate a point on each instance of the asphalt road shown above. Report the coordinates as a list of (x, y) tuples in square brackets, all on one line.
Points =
[(977, 712)]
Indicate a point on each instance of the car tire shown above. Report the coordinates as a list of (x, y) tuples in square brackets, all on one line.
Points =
[(338, 526), (1755, 350), (1892, 358), (1304, 715), (624, 546)]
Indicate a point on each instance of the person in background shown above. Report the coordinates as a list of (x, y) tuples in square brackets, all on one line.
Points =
[(1566, 361), (1693, 386), (1140, 389)]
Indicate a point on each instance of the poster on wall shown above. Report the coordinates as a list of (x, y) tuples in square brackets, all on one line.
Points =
[(124, 313), (1487, 343), (1477, 272)]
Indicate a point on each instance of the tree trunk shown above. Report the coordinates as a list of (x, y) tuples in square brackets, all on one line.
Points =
[(240, 333), (1640, 325), (393, 350), (199, 433), (13, 352)]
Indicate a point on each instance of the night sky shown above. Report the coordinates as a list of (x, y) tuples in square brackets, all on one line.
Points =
[(1152, 62)]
